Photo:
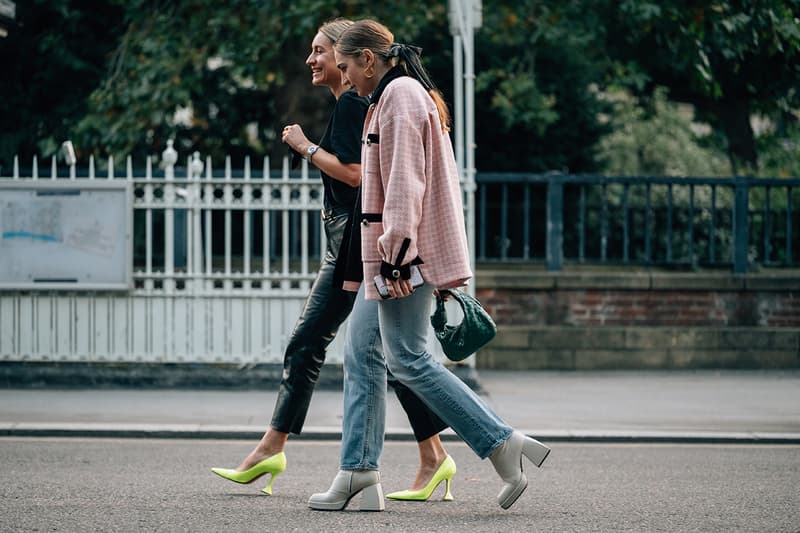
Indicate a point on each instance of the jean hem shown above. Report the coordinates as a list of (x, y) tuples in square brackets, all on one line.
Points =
[(359, 468), (497, 444)]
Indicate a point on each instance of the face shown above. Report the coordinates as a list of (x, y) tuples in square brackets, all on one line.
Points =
[(352, 71), (321, 61)]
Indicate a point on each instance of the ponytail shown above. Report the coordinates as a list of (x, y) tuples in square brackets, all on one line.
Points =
[(409, 58)]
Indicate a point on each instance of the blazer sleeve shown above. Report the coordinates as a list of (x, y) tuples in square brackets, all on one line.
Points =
[(402, 162)]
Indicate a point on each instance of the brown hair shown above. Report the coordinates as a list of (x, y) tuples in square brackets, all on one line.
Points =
[(372, 35)]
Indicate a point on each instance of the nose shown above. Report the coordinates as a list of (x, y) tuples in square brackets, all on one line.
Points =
[(310, 59)]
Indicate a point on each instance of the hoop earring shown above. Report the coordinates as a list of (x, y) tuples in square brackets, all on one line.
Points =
[(371, 72)]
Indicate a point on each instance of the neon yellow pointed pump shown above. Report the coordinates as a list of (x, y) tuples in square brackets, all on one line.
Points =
[(273, 465), (445, 473)]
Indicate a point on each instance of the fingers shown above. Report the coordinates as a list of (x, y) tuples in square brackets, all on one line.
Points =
[(292, 134), (285, 133), (399, 288)]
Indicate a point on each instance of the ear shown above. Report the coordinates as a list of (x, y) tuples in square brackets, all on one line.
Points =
[(369, 57)]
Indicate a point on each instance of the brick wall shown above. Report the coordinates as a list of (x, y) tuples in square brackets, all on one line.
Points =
[(590, 307), (608, 318)]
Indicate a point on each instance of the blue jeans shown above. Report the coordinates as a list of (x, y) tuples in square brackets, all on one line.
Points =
[(403, 325), (364, 421)]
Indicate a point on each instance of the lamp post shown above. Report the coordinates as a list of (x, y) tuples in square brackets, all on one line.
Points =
[(465, 16)]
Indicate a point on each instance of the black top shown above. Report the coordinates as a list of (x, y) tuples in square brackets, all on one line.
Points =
[(342, 138)]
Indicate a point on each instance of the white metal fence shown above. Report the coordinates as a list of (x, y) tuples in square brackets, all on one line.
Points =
[(222, 264)]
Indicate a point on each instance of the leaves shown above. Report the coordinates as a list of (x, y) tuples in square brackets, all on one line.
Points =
[(223, 77)]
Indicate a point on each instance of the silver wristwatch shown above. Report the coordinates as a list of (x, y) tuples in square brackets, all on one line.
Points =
[(310, 151)]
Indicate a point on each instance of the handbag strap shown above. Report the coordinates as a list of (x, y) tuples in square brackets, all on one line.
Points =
[(457, 296), (439, 316)]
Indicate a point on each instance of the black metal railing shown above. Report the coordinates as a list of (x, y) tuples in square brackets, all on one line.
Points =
[(673, 222)]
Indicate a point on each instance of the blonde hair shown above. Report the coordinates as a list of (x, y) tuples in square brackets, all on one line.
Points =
[(371, 35), (333, 29)]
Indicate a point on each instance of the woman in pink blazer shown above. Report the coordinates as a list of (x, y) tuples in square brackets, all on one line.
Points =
[(338, 158), (412, 218)]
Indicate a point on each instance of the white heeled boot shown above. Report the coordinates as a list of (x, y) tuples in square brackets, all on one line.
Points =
[(347, 484), (507, 461)]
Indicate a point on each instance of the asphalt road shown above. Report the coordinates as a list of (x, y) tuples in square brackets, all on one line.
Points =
[(72, 484)]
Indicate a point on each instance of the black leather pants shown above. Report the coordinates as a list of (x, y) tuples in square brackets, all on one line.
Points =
[(325, 309)]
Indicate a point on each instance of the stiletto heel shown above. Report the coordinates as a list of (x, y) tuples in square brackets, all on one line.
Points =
[(268, 488), (507, 461), (347, 484), (272, 465), (448, 496), (445, 473)]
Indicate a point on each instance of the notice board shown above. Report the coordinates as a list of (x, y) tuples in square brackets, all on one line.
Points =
[(65, 235)]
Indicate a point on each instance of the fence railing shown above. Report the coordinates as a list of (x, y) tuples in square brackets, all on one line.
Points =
[(223, 261), (197, 229), (674, 222), (200, 228), (223, 258)]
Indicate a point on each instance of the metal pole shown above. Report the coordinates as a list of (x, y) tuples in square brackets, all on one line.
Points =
[(458, 105), (469, 102), (740, 221)]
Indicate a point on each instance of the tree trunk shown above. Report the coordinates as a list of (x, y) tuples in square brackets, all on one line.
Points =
[(733, 114)]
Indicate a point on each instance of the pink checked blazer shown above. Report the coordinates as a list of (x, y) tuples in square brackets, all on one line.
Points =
[(410, 190)]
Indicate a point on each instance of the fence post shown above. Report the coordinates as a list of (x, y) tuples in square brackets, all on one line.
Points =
[(555, 223), (740, 225)]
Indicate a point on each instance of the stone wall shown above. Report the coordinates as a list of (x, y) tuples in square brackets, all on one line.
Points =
[(613, 318)]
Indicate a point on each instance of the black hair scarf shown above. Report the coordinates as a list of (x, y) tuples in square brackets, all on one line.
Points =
[(411, 56)]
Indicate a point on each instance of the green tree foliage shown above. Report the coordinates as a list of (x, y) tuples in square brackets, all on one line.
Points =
[(655, 138), (121, 77), (53, 57), (779, 151), (729, 58), (234, 71), (533, 106)]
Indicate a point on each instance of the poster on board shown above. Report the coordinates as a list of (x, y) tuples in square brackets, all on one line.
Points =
[(57, 235)]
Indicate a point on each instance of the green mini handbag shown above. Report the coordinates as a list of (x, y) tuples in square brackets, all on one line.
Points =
[(475, 330)]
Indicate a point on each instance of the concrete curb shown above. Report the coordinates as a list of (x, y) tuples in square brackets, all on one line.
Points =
[(192, 376), (193, 431)]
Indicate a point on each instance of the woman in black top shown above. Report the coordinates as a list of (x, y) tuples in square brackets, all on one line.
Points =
[(338, 158)]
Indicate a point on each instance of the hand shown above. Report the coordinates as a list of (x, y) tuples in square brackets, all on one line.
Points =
[(444, 294), (399, 288), (293, 136)]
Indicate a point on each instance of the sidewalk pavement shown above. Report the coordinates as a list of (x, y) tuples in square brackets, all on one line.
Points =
[(749, 407)]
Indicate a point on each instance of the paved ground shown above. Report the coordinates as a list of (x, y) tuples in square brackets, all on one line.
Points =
[(699, 406), (96, 484)]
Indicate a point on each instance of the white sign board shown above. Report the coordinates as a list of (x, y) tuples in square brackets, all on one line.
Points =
[(65, 235)]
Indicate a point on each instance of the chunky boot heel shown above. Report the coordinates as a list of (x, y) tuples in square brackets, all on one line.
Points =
[(347, 484), (372, 498), (535, 451), (507, 461)]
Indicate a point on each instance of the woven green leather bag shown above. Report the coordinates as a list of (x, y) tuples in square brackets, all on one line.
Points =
[(475, 330)]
